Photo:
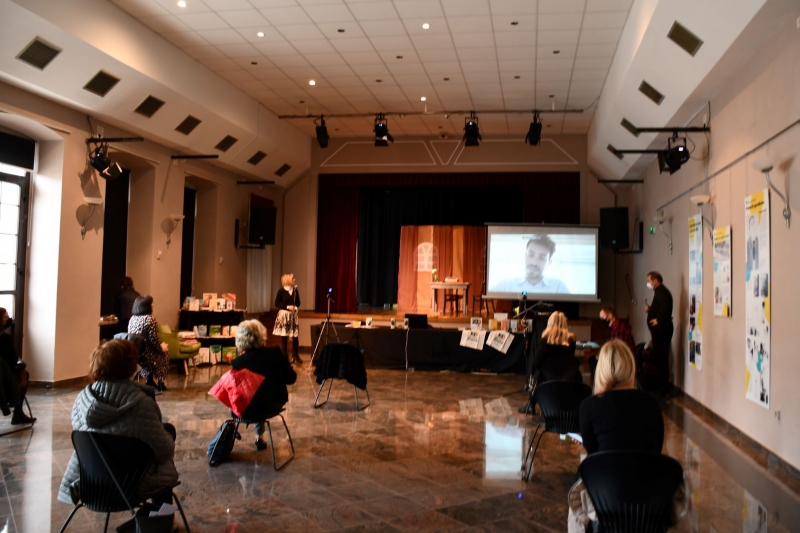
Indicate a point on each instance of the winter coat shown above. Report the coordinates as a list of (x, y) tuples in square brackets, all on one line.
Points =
[(272, 364), (128, 409)]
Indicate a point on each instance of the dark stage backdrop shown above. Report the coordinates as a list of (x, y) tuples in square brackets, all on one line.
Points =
[(360, 218)]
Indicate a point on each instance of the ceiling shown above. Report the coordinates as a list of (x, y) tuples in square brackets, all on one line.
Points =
[(371, 56)]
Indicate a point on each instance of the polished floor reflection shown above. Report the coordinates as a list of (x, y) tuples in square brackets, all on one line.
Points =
[(434, 452)]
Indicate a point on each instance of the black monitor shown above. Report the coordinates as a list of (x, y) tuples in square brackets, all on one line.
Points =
[(417, 321)]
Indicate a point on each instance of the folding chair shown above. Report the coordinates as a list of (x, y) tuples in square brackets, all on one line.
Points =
[(251, 420)]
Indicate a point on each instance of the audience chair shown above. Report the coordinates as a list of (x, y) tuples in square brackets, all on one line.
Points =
[(250, 420), (452, 298), (341, 361), (11, 395), (111, 468), (137, 341), (483, 303), (560, 403), (632, 490)]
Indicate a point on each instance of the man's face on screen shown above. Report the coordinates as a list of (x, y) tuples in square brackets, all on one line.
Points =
[(536, 259)]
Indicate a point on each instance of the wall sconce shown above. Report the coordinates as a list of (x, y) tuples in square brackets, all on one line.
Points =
[(94, 202), (660, 219), (765, 164), (700, 200), (175, 220)]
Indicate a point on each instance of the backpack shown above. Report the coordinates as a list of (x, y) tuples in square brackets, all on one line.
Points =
[(221, 445)]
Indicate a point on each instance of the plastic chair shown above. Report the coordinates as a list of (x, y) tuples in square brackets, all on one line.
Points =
[(111, 468), (560, 403), (631, 490), (341, 361), (251, 420)]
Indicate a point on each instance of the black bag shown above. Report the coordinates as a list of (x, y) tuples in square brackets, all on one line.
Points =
[(221, 445)]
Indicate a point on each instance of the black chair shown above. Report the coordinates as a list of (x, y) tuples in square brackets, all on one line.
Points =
[(250, 420), (560, 403), (483, 303), (111, 468), (341, 361), (453, 298), (631, 490)]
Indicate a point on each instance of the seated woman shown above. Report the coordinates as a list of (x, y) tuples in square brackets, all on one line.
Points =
[(19, 376), (555, 355), (114, 404), (154, 358), (270, 362), (616, 417)]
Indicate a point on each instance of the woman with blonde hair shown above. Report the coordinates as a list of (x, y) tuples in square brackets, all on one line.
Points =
[(555, 355), (618, 416), (286, 324)]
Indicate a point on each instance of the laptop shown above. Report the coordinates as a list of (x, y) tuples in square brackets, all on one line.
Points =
[(417, 321)]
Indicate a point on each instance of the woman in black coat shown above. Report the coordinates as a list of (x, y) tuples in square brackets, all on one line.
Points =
[(270, 362), (555, 355), (19, 376), (286, 324)]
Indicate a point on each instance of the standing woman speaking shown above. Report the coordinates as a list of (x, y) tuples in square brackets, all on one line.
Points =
[(286, 324)]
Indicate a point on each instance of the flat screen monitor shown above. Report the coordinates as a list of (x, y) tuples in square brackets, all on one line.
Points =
[(542, 262), (417, 321)]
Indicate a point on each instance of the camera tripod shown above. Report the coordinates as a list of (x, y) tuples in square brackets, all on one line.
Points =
[(324, 332)]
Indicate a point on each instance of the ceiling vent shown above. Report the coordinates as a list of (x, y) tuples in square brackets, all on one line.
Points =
[(101, 83), (684, 38), (188, 125), (149, 107), (630, 127), (651, 92), (283, 170), (614, 151), (225, 144), (38, 54), (257, 158)]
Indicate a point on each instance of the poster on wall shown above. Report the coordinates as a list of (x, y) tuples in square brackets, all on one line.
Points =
[(755, 517), (695, 323), (757, 297), (722, 271)]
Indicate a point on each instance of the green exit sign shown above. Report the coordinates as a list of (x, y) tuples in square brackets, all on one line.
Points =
[(652, 230)]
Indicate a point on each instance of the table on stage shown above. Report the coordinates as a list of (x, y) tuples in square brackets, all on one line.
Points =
[(428, 349), (436, 285)]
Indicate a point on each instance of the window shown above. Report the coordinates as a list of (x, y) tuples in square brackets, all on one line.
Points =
[(13, 227)]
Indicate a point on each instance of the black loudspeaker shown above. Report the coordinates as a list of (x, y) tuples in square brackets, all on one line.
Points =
[(262, 225), (614, 228)]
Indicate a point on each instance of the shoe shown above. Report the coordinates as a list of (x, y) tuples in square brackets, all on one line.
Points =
[(526, 409), (161, 387), (297, 361), (21, 418), (261, 445)]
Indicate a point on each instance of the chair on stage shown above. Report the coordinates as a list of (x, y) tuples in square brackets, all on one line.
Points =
[(560, 403), (483, 303), (247, 421), (341, 361), (632, 490)]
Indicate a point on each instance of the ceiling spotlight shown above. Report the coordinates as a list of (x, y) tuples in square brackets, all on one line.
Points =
[(181, 3), (426, 26), (423, 99), (107, 168), (312, 82), (382, 135), (534, 135), (260, 34), (322, 132), (472, 134), (674, 156)]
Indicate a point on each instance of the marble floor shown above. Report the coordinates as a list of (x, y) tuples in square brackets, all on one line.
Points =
[(433, 452)]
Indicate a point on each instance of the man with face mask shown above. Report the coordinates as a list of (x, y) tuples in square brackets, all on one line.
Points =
[(617, 330), (659, 321)]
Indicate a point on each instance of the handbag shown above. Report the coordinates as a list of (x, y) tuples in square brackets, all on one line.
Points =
[(221, 446)]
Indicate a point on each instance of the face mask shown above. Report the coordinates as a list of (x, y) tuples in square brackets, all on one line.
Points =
[(649, 285)]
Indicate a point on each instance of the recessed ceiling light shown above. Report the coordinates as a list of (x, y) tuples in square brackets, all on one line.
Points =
[(514, 22), (399, 57), (447, 79), (181, 3), (335, 129), (254, 62), (517, 77), (423, 98), (312, 82), (340, 30), (556, 51), (379, 81), (548, 125), (426, 26), (551, 96), (260, 34), (440, 127), (302, 101)]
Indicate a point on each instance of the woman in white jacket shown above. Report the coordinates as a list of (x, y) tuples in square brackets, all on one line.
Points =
[(114, 404)]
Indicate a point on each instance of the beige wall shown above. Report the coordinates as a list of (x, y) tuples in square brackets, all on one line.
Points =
[(763, 99)]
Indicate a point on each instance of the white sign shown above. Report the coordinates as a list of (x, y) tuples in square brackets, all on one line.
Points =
[(722, 271), (757, 297), (695, 325)]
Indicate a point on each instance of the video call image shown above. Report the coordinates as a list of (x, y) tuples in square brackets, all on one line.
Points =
[(556, 263)]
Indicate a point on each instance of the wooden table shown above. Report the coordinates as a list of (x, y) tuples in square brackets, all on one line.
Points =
[(436, 285)]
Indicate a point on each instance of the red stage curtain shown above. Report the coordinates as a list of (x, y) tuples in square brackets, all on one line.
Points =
[(337, 245), (443, 244), (474, 260), (407, 273)]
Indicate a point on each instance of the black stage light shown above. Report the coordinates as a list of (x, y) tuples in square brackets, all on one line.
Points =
[(674, 156), (472, 134), (382, 135), (322, 133), (107, 168), (534, 135)]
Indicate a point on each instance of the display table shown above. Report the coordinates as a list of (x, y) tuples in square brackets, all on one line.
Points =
[(428, 349), (188, 319), (436, 285), (207, 342)]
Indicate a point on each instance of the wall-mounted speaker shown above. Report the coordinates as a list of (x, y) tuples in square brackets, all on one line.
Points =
[(614, 228)]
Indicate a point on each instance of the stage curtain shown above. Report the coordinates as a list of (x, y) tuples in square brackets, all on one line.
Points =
[(474, 270), (407, 271), (443, 244), (337, 242)]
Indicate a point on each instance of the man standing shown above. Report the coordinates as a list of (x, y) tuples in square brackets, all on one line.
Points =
[(538, 255), (659, 321), (124, 303), (618, 330)]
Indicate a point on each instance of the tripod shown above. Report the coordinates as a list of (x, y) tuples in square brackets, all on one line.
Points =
[(325, 331)]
